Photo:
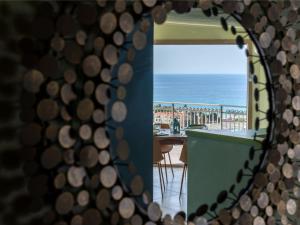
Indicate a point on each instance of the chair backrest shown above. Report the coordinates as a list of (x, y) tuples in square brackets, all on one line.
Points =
[(183, 154), (164, 126), (157, 155)]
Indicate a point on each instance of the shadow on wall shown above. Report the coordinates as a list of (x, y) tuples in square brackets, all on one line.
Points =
[(16, 205)]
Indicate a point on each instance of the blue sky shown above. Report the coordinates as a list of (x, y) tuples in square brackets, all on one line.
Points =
[(199, 59)]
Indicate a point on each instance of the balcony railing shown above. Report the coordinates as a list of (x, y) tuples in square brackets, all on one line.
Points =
[(214, 116)]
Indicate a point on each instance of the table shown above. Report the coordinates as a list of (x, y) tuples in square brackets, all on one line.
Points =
[(171, 139)]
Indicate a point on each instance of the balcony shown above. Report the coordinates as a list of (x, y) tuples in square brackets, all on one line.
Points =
[(214, 116)]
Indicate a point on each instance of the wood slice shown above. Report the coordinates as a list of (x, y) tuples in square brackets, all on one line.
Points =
[(89, 87), (95, 181), (73, 52), (121, 93), (60, 181), (126, 208), (114, 219), (286, 43), (126, 22), (52, 131), (119, 133), (85, 109), (53, 88), (287, 170), (65, 115), (51, 157), (145, 24), (295, 71), (106, 75), (108, 176), (149, 3), (110, 54), (154, 211), (265, 40), (98, 116), (296, 103), (88, 156), (104, 157), (64, 137), (159, 14), (146, 197), (117, 192), (120, 6), (103, 199), (91, 65), (83, 198), (137, 7), (77, 220), (66, 25), (137, 185), (102, 3), (108, 22), (130, 54), (76, 175), (99, 43), (64, 203), (81, 37), (47, 109), (85, 132), (100, 138), (118, 38), (119, 111), (57, 43), (101, 94), (69, 157), (137, 220), (139, 40), (125, 73), (123, 150), (70, 76), (32, 80), (67, 95)]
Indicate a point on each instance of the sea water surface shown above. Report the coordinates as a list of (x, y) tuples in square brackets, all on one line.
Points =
[(201, 88)]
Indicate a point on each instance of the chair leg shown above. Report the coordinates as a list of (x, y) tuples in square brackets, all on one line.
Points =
[(185, 173), (171, 164), (161, 188), (182, 177), (166, 169), (162, 176)]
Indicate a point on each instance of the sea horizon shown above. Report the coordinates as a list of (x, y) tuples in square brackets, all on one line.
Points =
[(226, 89), (200, 74)]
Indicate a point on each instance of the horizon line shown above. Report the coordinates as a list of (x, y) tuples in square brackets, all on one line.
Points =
[(200, 74)]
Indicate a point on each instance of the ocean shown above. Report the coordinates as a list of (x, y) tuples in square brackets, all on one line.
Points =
[(203, 88)]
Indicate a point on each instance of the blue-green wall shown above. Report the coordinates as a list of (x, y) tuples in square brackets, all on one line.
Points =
[(138, 124)]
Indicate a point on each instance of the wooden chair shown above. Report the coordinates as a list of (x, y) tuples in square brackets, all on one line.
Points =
[(166, 149), (157, 158), (183, 158)]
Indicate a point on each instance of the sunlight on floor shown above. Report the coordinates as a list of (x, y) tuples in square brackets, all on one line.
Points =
[(170, 203)]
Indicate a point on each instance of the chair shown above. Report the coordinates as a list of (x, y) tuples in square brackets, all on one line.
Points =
[(183, 158), (165, 149), (157, 158)]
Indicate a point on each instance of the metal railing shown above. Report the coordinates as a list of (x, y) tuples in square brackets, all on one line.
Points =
[(214, 116)]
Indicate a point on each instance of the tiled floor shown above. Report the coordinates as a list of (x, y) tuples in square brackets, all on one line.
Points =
[(170, 202)]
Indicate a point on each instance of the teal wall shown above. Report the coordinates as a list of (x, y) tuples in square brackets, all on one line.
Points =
[(213, 163), (138, 123)]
